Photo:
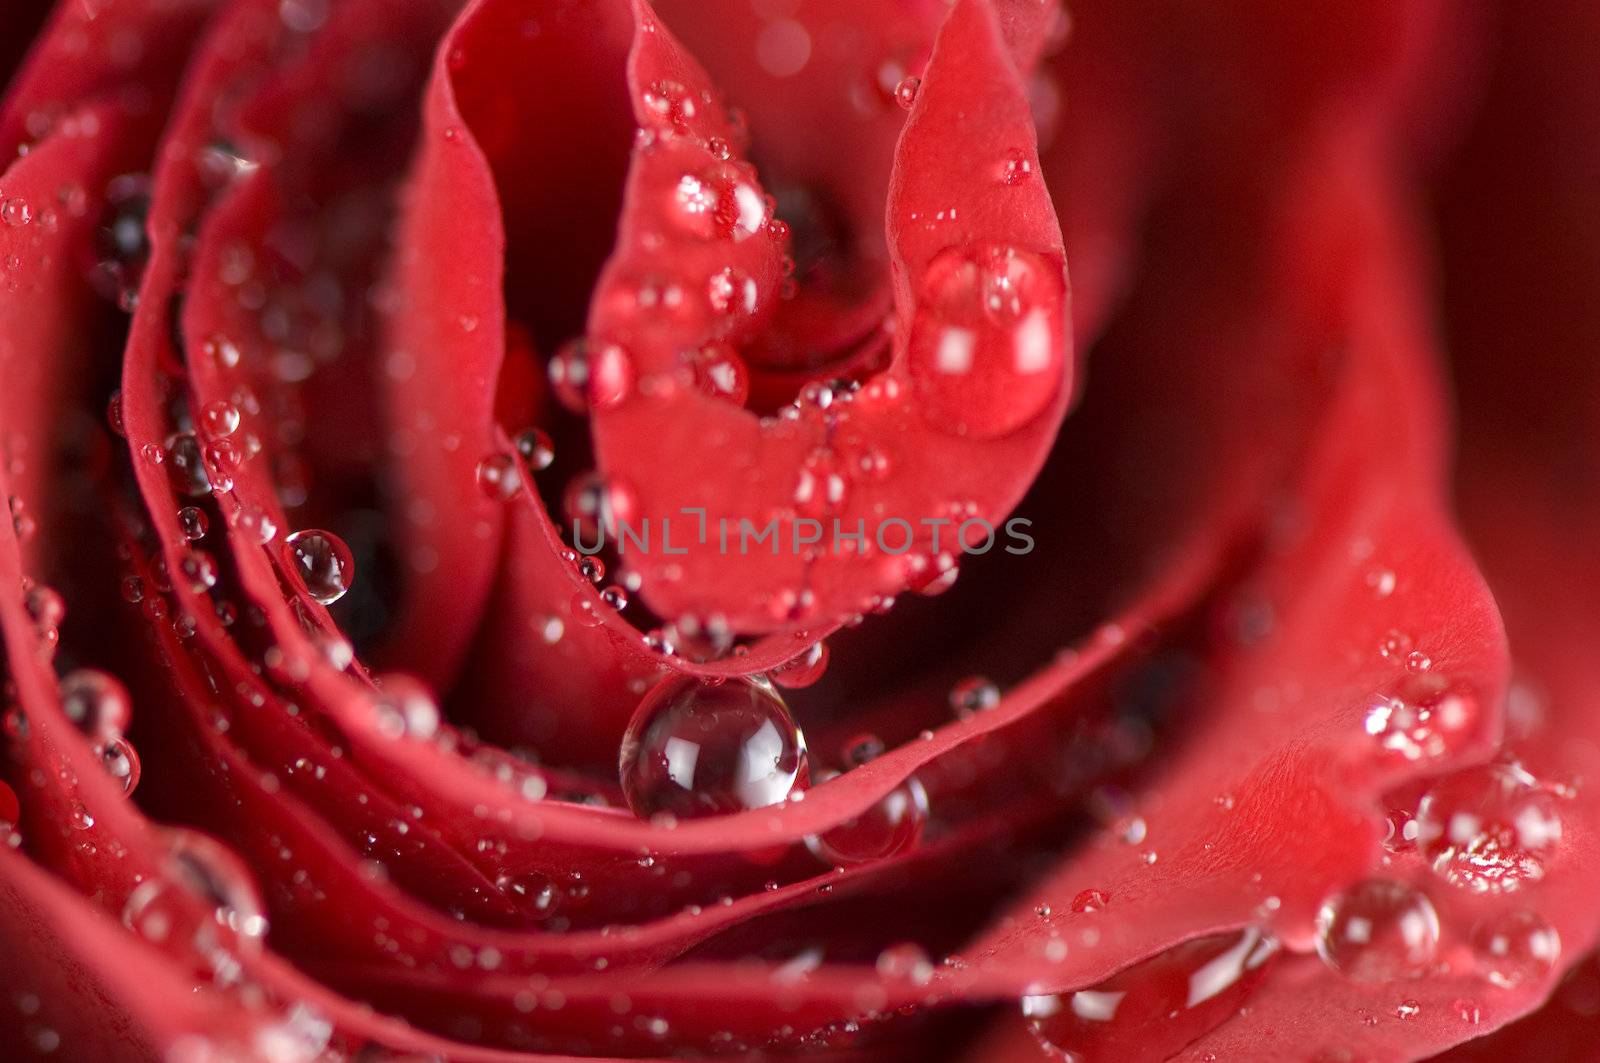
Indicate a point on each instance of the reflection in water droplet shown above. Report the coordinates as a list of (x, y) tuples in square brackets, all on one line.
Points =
[(696, 749), (1425, 718), (202, 901), (987, 349), (1516, 947), (905, 962), (533, 892), (973, 694), (589, 376), (322, 563), (803, 670), (1378, 930), (1490, 829), (718, 204), (497, 477), (220, 418), (186, 467), (536, 449), (892, 825), (1090, 900), (96, 702), (117, 756), (193, 523), (405, 708), (905, 93), (255, 524), (1152, 1010)]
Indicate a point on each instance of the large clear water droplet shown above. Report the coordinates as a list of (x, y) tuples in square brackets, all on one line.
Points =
[(1515, 947), (699, 749), (1490, 829), (1378, 930), (202, 900), (987, 349), (892, 825), (1152, 1010), (322, 563), (718, 203)]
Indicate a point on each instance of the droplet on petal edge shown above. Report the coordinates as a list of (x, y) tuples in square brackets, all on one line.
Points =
[(697, 749), (1154, 1009), (322, 563), (892, 825)]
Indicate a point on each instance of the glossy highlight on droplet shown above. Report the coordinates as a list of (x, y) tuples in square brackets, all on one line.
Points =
[(1153, 1009), (701, 749)]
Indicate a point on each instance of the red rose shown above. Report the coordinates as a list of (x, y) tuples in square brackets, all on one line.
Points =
[(575, 528)]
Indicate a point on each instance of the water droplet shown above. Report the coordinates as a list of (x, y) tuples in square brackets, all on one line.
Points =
[(1515, 947), (322, 563), (203, 899), (585, 611), (1490, 829), (863, 749), (892, 825), (1468, 1011), (905, 93), (193, 523), (732, 295), (905, 962), (497, 477), (1090, 900), (987, 349), (536, 449), (1378, 930), (1382, 581), (592, 569), (698, 749), (220, 419), (1426, 719), (186, 467), (1394, 645), (16, 211), (1400, 831), (615, 597), (117, 756), (803, 670), (255, 524), (45, 607), (114, 414), (718, 203), (221, 350), (1153, 1009), (589, 376), (533, 892), (404, 707), (96, 703), (821, 486), (594, 503), (1407, 1009), (1016, 168), (199, 571), (973, 694), (719, 372), (670, 105)]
